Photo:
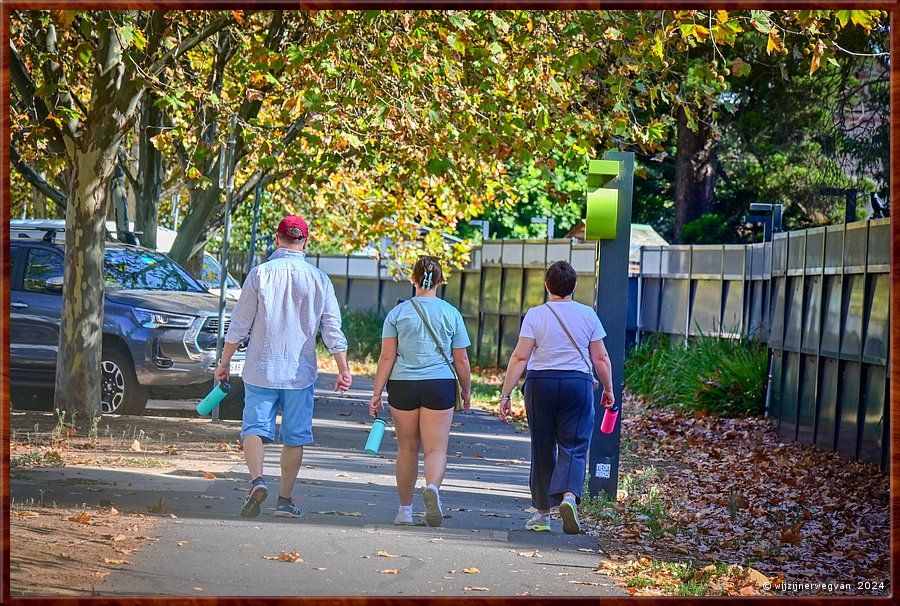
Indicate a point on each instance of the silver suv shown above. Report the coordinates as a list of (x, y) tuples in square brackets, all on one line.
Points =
[(159, 329)]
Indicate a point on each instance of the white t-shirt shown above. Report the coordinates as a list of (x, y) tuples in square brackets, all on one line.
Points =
[(552, 348)]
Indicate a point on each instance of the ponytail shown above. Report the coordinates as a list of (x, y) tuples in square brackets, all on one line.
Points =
[(427, 272)]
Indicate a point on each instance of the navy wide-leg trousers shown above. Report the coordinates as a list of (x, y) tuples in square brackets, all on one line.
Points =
[(559, 405)]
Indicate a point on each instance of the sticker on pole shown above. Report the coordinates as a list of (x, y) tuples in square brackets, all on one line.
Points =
[(603, 470), (602, 201)]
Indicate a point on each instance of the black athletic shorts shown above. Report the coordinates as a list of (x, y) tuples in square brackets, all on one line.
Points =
[(434, 394)]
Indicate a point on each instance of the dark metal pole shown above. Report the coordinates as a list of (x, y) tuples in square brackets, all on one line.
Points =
[(226, 169), (256, 198), (612, 308)]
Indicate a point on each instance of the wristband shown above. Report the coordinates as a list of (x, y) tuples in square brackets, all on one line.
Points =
[(502, 397)]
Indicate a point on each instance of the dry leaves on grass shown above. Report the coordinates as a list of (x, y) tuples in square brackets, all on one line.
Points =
[(731, 490)]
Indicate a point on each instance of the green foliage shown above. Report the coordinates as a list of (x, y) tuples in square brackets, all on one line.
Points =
[(536, 190), (711, 228), (363, 331), (724, 376)]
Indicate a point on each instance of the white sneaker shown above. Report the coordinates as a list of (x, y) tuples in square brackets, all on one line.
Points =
[(404, 517), (538, 522), (434, 515)]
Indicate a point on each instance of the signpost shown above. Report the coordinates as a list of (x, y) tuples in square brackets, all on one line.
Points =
[(610, 186)]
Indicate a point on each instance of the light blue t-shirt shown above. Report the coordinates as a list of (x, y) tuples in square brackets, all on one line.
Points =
[(418, 358)]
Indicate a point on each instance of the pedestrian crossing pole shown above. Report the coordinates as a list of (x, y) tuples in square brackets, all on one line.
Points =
[(609, 193)]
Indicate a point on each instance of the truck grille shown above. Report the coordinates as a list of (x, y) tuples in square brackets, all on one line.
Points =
[(212, 324), (210, 331)]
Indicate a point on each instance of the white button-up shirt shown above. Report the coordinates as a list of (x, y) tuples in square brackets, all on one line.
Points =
[(283, 303)]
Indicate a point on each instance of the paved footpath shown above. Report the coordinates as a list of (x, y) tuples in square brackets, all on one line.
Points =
[(484, 495)]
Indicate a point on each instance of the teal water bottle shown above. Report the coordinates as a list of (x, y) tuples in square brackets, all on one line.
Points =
[(374, 441), (213, 398)]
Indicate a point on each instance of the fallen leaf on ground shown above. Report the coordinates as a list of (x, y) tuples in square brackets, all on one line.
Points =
[(181, 543), (136, 446), (109, 561), (471, 570), (83, 518), (496, 515), (385, 554), (26, 514), (209, 476), (586, 583), (467, 588), (285, 556), (389, 571), (114, 538), (531, 554)]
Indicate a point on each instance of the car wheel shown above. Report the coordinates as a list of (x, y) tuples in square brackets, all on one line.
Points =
[(121, 393)]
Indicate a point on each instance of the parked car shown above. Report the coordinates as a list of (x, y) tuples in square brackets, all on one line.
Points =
[(209, 274), (160, 325)]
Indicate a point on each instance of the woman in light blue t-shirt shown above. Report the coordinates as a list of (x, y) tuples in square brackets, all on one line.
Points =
[(421, 386)]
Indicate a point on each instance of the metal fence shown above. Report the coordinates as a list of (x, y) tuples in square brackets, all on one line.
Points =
[(818, 297), (503, 279)]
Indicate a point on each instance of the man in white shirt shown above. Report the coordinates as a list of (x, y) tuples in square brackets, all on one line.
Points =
[(284, 301)]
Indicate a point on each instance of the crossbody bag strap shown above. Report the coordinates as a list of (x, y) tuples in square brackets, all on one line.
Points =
[(434, 338), (571, 338)]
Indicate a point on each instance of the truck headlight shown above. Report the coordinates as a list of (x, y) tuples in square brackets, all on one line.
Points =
[(149, 318)]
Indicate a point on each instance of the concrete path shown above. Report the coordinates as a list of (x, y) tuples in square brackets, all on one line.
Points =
[(349, 502)]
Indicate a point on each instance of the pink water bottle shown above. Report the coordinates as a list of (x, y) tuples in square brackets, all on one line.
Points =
[(610, 416)]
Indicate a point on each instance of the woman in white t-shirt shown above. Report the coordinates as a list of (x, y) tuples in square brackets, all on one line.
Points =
[(559, 394)]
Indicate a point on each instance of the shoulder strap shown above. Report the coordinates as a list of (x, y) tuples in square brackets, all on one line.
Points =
[(433, 337), (571, 338)]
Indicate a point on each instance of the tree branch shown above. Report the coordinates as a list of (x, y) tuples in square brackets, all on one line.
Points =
[(190, 42), (35, 106), (55, 76), (35, 179)]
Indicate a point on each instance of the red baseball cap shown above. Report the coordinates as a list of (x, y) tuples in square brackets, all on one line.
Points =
[(293, 227)]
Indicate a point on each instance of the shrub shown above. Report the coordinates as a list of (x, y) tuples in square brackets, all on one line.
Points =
[(721, 376)]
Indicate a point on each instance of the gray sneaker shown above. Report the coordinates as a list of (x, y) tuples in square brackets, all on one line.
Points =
[(286, 509), (568, 511), (258, 494)]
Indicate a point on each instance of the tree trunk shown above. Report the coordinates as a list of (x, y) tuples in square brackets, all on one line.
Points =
[(150, 173), (81, 325), (39, 202), (695, 174), (192, 228)]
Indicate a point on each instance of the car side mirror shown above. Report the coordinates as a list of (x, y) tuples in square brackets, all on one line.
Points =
[(54, 284)]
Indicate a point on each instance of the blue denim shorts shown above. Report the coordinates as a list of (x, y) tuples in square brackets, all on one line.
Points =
[(262, 404)]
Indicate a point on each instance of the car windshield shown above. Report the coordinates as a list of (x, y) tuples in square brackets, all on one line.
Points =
[(130, 268), (210, 275)]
